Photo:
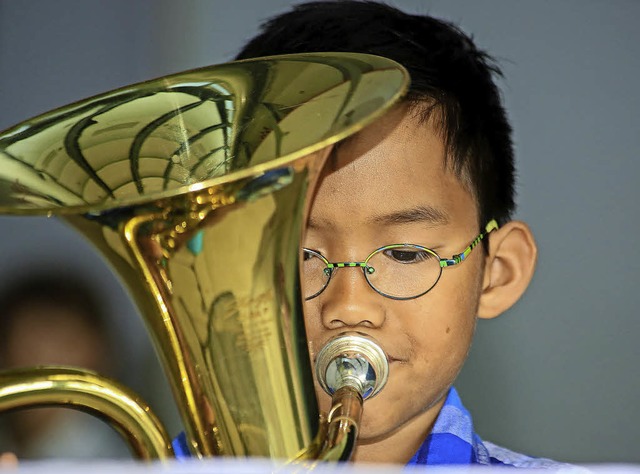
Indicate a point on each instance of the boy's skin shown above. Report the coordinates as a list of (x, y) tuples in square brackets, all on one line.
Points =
[(389, 184)]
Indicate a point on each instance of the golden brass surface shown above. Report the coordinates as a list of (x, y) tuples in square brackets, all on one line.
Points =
[(195, 187), (89, 392)]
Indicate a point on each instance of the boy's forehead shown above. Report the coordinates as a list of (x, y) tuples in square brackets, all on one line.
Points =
[(394, 167), (413, 131), (402, 128)]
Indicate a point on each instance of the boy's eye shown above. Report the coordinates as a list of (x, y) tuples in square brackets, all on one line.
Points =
[(308, 254), (405, 255)]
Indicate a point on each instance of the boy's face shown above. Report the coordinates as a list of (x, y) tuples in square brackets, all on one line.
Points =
[(387, 185)]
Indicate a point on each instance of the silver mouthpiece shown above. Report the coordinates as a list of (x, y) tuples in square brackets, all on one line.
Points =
[(355, 361)]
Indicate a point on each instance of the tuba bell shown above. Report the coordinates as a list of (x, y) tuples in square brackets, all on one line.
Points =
[(195, 188)]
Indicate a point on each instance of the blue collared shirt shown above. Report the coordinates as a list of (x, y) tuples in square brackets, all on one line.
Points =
[(452, 441)]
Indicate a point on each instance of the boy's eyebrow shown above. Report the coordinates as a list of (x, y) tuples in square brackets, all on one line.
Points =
[(423, 214)]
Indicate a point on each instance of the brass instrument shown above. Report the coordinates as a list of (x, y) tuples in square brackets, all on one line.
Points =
[(195, 188)]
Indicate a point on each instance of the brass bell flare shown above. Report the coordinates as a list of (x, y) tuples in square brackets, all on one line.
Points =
[(195, 188)]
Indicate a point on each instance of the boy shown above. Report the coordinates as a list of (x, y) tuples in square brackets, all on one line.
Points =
[(437, 176)]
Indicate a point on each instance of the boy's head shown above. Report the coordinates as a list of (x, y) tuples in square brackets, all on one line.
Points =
[(432, 172), (452, 82)]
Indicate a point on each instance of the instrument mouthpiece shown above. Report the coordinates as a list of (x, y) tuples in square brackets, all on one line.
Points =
[(355, 361)]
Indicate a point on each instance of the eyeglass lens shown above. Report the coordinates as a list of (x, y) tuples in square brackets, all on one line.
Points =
[(397, 271)]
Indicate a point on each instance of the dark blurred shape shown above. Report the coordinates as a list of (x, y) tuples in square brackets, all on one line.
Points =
[(53, 318)]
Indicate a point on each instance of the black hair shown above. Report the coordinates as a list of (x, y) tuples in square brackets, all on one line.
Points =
[(449, 76)]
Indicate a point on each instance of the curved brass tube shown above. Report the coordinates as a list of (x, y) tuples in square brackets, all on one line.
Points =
[(343, 423), (338, 433), (87, 391)]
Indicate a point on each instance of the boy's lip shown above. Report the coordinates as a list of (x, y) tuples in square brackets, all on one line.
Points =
[(390, 357)]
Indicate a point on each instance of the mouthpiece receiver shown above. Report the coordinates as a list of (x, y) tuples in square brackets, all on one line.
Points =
[(350, 368), (354, 361)]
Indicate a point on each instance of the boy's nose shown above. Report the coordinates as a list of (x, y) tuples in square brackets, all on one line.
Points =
[(349, 301)]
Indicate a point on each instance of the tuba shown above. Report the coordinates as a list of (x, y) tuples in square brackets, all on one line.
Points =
[(195, 188)]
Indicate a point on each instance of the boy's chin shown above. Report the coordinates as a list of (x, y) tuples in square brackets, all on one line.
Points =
[(376, 425), (380, 417)]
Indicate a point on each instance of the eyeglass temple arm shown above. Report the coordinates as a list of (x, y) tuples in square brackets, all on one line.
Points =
[(448, 262)]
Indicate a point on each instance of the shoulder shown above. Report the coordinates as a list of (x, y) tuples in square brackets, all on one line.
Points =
[(492, 454)]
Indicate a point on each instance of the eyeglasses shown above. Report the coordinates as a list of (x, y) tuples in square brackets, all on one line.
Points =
[(397, 271)]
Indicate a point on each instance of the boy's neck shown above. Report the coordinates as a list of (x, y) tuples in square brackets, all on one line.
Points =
[(400, 446)]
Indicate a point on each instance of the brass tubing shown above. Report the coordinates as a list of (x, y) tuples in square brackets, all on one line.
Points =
[(197, 433), (343, 423), (89, 392)]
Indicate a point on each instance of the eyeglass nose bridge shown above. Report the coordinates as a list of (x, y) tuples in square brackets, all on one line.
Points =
[(331, 267), (364, 265)]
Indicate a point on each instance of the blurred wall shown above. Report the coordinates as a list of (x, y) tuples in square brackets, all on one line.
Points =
[(557, 376)]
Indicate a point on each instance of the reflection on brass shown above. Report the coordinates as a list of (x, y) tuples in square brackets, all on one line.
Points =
[(195, 188)]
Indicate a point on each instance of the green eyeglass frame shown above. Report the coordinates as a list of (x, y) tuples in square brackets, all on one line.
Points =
[(368, 270)]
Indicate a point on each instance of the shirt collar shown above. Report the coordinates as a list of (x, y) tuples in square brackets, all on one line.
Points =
[(452, 439)]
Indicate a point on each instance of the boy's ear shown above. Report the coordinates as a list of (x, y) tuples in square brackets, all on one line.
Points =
[(509, 267)]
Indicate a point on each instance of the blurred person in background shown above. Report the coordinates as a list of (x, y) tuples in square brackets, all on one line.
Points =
[(48, 318)]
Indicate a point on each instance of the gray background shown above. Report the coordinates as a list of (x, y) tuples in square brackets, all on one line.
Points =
[(558, 375)]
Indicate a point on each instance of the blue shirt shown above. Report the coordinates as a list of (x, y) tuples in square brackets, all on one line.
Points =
[(452, 441)]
